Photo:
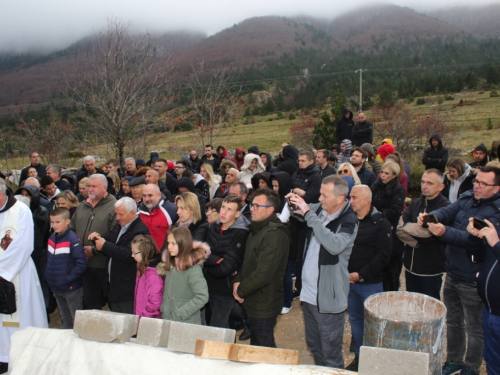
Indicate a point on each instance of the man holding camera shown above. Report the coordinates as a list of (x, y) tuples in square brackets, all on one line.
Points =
[(464, 307)]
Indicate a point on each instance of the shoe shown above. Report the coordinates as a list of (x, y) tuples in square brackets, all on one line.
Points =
[(296, 294), (451, 368), (354, 365), (245, 335), (285, 310), (4, 367), (468, 371)]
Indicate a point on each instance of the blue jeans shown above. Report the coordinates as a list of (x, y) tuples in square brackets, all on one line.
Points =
[(288, 284), (262, 331), (221, 307), (464, 322), (324, 334), (491, 327), (68, 303), (358, 293), (428, 285)]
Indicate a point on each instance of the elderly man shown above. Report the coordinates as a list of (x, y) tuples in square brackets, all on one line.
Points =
[(333, 226), (258, 285), (130, 167), (136, 185), (362, 132), (89, 168), (196, 162), (157, 214), (231, 178), (241, 191), (35, 163), (95, 214), (117, 246), (17, 267), (370, 254), (54, 171), (464, 307)]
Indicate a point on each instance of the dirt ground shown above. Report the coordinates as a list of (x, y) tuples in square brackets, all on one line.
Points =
[(290, 334)]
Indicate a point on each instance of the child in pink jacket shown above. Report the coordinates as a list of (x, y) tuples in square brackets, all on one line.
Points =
[(149, 285)]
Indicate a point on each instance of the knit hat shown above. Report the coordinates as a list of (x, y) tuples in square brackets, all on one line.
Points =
[(368, 148)]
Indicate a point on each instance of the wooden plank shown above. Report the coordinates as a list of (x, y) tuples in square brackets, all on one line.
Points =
[(212, 349), (260, 354)]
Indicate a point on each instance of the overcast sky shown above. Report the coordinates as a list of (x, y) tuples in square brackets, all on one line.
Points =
[(56, 24)]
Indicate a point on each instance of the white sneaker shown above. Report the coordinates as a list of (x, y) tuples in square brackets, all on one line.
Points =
[(285, 310)]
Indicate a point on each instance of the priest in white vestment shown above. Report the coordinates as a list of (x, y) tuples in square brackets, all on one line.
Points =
[(16, 266)]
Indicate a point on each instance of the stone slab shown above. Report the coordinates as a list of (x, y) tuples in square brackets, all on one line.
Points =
[(260, 354), (153, 332), (212, 349), (382, 361), (183, 336), (179, 337), (105, 326)]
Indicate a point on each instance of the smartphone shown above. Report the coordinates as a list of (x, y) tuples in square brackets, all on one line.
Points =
[(478, 223), (291, 206), (430, 218)]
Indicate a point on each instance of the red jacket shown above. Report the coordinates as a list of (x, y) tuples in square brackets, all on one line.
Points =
[(159, 220)]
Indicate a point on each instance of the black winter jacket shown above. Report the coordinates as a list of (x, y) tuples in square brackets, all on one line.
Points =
[(366, 176), (435, 158), (123, 268), (227, 251), (389, 198), (429, 257), (344, 126), (372, 247), (362, 132), (308, 179), (489, 279), (290, 157)]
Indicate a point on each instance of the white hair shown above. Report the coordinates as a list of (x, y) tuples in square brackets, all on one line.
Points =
[(88, 158), (35, 180), (100, 177), (366, 190), (128, 203), (127, 159)]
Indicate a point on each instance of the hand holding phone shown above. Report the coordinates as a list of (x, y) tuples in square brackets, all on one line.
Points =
[(478, 223), (429, 218)]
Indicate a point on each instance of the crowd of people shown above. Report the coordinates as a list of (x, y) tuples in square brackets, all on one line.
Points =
[(219, 240)]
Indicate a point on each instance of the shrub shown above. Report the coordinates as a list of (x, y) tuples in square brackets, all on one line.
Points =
[(420, 101), (291, 116), (493, 94)]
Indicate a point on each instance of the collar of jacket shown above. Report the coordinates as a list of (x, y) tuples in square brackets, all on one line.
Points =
[(255, 226)]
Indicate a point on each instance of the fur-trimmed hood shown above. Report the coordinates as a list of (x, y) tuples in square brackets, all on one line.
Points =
[(248, 160), (197, 246)]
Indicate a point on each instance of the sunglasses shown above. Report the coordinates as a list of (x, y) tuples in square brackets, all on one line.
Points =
[(344, 171)]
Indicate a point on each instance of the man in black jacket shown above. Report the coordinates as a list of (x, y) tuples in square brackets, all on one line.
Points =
[(480, 154), (226, 238), (358, 159), (117, 246), (344, 126), (435, 156), (424, 265), (362, 132), (370, 254), (325, 169), (35, 163)]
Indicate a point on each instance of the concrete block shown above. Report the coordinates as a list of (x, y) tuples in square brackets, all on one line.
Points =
[(381, 361), (212, 349), (105, 326), (179, 337), (153, 332), (260, 354), (183, 336)]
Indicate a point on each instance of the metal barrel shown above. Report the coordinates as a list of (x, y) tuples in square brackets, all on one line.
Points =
[(406, 321)]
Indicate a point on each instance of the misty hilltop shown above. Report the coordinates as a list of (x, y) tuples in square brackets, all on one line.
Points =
[(256, 42)]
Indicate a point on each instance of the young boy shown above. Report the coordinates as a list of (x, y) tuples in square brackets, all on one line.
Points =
[(66, 263)]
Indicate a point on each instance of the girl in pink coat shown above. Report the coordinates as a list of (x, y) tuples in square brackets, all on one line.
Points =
[(149, 285)]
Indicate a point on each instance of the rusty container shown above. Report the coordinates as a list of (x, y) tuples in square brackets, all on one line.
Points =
[(406, 321)]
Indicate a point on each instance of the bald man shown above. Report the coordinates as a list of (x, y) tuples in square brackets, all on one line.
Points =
[(153, 177), (362, 132), (157, 213), (370, 254)]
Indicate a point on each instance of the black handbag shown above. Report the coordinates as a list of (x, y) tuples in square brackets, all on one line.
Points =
[(7, 297)]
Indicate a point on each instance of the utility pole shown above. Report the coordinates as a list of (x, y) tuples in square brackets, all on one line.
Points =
[(360, 88)]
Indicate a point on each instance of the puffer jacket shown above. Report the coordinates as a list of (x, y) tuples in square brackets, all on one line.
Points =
[(185, 292), (362, 132), (308, 179), (263, 269), (66, 262), (159, 220), (149, 290), (389, 199)]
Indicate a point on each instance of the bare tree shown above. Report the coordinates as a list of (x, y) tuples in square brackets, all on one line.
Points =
[(214, 105), (123, 85)]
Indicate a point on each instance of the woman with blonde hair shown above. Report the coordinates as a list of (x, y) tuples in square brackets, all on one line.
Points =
[(189, 212), (66, 199), (207, 172), (348, 170), (83, 189), (113, 176)]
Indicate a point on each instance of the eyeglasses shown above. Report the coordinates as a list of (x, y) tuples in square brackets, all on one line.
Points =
[(257, 206), (134, 253), (482, 184), (345, 171), (209, 212)]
